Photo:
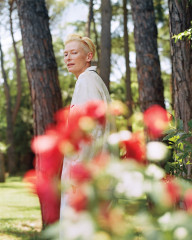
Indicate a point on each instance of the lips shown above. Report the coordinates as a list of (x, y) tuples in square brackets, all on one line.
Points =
[(70, 64)]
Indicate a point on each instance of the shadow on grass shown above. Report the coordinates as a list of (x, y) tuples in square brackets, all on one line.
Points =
[(25, 209), (29, 235), (9, 186), (17, 229)]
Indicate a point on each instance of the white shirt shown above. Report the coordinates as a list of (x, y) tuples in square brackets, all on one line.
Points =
[(89, 87)]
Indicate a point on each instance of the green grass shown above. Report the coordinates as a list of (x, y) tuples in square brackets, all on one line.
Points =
[(20, 216)]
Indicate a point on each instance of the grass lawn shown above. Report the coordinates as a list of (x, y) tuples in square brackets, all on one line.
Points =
[(20, 216)]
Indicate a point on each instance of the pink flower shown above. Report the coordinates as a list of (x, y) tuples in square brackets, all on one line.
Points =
[(80, 173), (156, 120)]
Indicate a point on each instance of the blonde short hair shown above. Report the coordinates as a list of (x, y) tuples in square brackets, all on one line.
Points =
[(85, 40)]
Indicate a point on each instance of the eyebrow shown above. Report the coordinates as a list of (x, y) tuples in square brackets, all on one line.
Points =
[(70, 50)]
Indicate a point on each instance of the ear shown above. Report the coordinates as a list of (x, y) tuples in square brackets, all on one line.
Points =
[(89, 56)]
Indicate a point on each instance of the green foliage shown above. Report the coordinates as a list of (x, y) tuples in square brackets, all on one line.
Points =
[(187, 34), (23, 127), (179, 142), (160, 7), (3, 147)]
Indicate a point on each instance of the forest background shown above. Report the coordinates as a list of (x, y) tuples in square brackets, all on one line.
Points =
[(137, 57)]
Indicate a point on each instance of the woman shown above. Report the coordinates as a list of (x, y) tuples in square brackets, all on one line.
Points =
[(78, 54)]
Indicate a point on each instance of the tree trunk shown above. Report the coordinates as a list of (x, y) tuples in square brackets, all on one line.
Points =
[(147, 58), (41, 67), (2, 168), (89, 20), (88, 29), (9, 130), (105, 56), (129, 99), (181, 54), (18, 67), (40, 62)]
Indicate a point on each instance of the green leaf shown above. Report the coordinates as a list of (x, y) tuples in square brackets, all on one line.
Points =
[(190, 124), (167, 168)]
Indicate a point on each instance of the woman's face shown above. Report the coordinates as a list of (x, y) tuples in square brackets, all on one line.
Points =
[(76, 58)]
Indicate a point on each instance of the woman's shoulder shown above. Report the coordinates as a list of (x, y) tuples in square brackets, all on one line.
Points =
[(88, 76)]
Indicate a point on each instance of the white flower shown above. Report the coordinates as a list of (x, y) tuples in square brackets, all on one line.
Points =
[(115, 138), (180, 233), (156, 151), (76, 225), (131, 184), (155, 172)]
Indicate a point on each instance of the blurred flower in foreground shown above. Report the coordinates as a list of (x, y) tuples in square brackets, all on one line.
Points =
[(173, 191), (134, 148), (48, 192), (131, 145), (188, 200), (77, 198), (156, 151), (156, 120), (46, 148), (77, 225), (117, 108), (79, 172), (101, 236)]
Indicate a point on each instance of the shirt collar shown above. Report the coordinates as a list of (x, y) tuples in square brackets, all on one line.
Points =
[(92, 68)]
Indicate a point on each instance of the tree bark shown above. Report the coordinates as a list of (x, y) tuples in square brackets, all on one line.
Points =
[(41, 67), (40, 62), (89, 20), (129, 99), (88, 28), (9, 131), (105, 56), (2, 168), (181, 54), (180, 13), (147, 58)]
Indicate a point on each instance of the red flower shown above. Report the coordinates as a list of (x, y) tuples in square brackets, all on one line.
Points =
[(188, 200), (134, 148), (48, 153), (49, 197), (80, 173), (101, 160), (98, 163), (61, 115), (48, 193), (173, 191), (78, 199), (156, 120), (96, 110)]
